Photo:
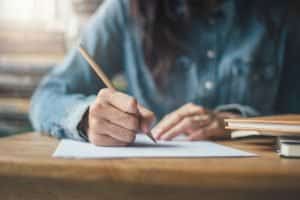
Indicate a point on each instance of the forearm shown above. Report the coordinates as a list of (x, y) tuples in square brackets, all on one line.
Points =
[(57, 113), (243, 110)]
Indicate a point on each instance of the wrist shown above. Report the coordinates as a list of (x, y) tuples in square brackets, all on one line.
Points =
[(83, 125)]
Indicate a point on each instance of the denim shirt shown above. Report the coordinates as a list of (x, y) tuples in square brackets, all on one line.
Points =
[(236, 64)]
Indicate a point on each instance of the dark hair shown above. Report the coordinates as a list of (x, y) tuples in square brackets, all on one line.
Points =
[(164, 22)]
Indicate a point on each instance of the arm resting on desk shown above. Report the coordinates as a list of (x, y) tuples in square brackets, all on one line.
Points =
[(66, 93)]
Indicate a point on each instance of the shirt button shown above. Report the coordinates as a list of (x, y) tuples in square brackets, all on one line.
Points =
[(211, 54), (209, 85)]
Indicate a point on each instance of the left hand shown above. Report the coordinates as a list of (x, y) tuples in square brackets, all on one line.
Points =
[(196, 122)]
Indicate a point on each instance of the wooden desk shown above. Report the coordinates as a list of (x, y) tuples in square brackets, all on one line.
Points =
[(27, 171)]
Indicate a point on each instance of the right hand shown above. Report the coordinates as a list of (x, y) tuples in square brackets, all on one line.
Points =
[(115, 118)]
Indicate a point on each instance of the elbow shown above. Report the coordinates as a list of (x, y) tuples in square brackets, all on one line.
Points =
[(35, 111)]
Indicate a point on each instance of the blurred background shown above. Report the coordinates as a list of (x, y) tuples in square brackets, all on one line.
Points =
[(34, 37)]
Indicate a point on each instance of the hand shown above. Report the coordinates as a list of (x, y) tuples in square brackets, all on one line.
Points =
[(195, 122), (115, 118)]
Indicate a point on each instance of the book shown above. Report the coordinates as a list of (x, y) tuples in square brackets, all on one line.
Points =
[(278, 125), (289, 146)]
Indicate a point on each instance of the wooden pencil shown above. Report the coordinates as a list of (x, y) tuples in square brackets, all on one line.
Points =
[(100, 73), (98, 70)]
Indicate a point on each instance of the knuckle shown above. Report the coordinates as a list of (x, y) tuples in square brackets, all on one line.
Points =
[(190, 105), (150, 114), (99, 101), (196, 108), (132, 104), (93, 123), (95, 109), (133, 123), (130, 136), (177, 116), (188, 121), (103, 92), (200, 109)]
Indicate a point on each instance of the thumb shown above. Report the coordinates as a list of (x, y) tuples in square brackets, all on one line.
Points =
[(147, 118)]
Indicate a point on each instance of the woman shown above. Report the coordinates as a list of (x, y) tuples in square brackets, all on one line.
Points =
[(192, 63)]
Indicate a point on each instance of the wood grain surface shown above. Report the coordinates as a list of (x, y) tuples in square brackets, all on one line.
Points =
[(27, 171)]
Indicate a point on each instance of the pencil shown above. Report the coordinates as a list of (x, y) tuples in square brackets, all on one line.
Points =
[(100, 73)]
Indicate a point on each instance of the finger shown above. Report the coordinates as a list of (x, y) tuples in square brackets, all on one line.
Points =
[(112, 130), (189, 123), (173, 118), (208, 132), (200, 121), (105, 140), (181, 127), (228, 115), (199, 135), (119, 100), (147, 118), (191, 109), (186, 125), (219, 131), (115, 116)]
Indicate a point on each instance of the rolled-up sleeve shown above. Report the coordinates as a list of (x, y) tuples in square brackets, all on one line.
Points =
[(243, 110), (65, 94)]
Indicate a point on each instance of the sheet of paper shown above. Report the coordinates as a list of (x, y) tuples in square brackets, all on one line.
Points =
[(144, 148)]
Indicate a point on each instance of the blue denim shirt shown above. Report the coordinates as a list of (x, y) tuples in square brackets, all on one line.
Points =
[(237, 63)]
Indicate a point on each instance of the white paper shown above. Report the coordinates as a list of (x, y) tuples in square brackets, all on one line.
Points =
[(145, 148)]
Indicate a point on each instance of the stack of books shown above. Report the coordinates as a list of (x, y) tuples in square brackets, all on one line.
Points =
[(285, 127)]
